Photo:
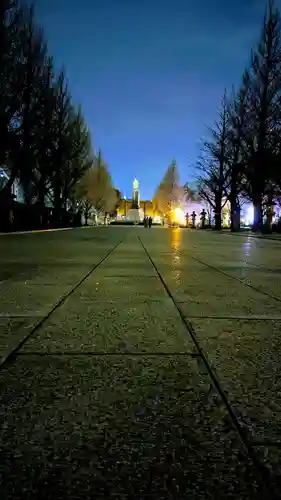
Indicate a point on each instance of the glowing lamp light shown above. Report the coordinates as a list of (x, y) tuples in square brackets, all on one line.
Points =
[(250, 215), (178, 215)]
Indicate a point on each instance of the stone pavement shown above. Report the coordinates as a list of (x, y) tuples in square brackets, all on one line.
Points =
[(140, 364)]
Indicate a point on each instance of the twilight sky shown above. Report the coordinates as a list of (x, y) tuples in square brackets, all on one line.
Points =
[(150, 74)]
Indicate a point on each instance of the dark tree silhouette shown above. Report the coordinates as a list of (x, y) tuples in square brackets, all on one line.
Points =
[(45, 143), (213, 165), (264, 114), (238, 157)]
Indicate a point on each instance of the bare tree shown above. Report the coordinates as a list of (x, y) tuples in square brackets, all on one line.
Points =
[(213, 165), (12, 17), (238, 155), (264, 114), (45, 143), (45, 135), (189, 194), (61, 146), (33, 54)]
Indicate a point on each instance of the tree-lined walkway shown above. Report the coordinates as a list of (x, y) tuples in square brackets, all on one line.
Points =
[(139, 364)]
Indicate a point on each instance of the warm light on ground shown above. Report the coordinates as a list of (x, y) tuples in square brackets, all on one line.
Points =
[(178, 215)]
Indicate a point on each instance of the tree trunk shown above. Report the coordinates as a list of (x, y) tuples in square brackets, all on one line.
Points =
[(41, 203), (217, 221), (233, 198), (218, 203), (57, 212), (86, 217), (267, 228), (235, 216), (40, 213)]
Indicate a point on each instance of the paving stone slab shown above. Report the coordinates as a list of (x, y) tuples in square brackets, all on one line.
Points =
[(88, 428), (30, 299), (83, 325), (60, 273), (210, 303), (13, 331), (53, 273), (130, 248), (15, 271), (270, 456), (266, 280), (129, 269), (246, 357), (125, 259), (129, 289), (207, 293), (244, 253), (124, 252)]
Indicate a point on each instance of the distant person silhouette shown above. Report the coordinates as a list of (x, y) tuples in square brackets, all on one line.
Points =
[(193, 217), (149, 222)]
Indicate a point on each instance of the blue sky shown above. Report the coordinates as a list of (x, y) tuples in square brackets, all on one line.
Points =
[(150, 74)]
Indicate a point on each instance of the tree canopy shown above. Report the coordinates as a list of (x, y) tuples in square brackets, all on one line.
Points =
[(45, 141), (242, 160), (169, 193), (95, 189)]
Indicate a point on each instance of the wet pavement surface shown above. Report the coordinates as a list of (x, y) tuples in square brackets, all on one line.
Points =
[(140, 364)]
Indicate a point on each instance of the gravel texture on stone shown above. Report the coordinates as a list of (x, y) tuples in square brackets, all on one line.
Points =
[(110, 424), (246, 358), (123, 267), (77, 427), (62, 272), (29, 298), (13, 330), (130, 289), (207, 293), (83, 324), (271, 457), (267, 280)]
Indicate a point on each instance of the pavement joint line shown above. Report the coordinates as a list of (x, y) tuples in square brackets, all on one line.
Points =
[(247, 264), (109, 354), (269, 443), (145, 354), (21, 316), (255, 237), (261, 471), (55, 284), (52, 230), (236, 318), (130, 276), (37, 231), (16, 348), (109, 302), (236, 279)]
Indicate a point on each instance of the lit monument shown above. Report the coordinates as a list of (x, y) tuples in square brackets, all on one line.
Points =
[(136, 195), (136, 214)]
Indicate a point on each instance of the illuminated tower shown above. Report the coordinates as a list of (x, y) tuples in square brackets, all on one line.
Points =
[(136, 194)]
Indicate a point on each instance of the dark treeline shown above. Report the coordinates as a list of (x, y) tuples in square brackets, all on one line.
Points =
[(241, 160), (45, 143)]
